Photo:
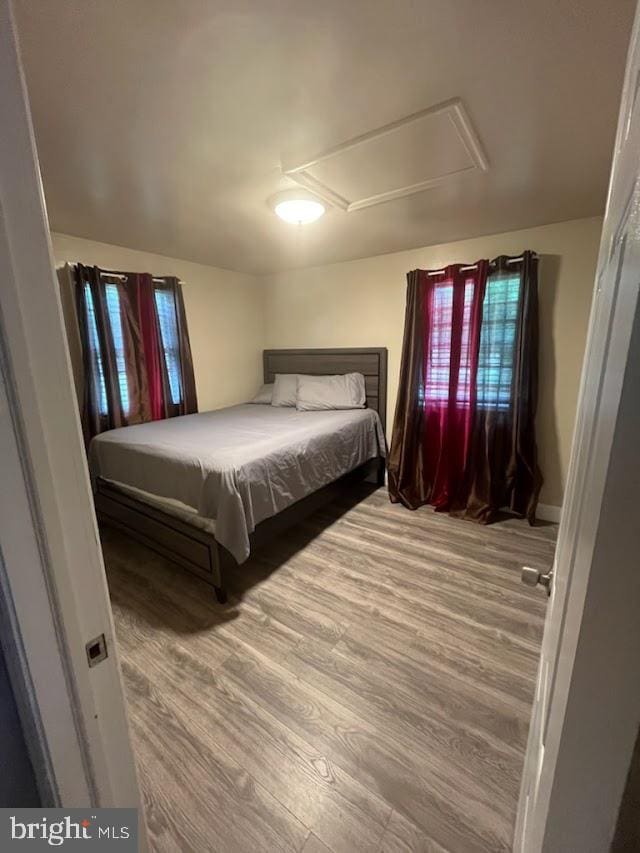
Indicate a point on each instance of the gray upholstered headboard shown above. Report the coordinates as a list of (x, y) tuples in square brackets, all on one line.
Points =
[(370, 361)]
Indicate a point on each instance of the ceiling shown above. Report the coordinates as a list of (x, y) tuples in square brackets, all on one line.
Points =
[(165, 126)]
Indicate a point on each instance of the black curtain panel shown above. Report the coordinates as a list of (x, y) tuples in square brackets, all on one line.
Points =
[(406, 462)]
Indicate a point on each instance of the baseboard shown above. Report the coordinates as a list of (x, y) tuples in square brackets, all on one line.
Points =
[(549, 512)]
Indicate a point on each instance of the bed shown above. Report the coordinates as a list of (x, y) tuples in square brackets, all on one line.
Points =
[(206, 490)]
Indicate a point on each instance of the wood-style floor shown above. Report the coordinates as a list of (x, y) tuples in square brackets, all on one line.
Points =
[(367, 688)]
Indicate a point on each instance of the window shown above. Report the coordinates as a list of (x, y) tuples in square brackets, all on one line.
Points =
[(94, 344), (134, 340), (439, 355), (464, 373), (497, 340), (167, 318), (497, 343), (112, 297)]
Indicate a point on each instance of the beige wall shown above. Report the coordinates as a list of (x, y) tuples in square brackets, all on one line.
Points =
[(225, 315), (361, 303)]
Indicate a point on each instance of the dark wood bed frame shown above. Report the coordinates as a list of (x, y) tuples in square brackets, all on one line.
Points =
[(198, 551)]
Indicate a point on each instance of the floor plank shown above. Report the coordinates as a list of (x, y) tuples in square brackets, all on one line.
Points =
[(314, 845), (402, 836), (367, 688)]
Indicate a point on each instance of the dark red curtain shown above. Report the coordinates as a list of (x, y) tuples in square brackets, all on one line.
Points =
[(136, 352), (464, 431), (454, 310), (436, 396)]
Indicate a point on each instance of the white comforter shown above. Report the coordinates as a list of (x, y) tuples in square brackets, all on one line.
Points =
[(238, 465)]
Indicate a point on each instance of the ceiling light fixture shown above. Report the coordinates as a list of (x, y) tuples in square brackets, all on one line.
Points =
[(297, 207)]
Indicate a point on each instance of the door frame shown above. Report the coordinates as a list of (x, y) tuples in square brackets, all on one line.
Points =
[(587, 706), (52, 574), (52, 579)]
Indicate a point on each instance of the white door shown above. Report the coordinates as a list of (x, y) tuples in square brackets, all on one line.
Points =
[(609, 346), (51, 571)]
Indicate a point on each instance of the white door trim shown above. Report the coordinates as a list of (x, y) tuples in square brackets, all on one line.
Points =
[(53, 570), (30, 635), (587, 705)]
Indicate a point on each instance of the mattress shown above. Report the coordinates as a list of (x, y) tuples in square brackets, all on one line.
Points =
[(232, 468)]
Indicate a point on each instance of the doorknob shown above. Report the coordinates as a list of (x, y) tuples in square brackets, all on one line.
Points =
[(532, 577)]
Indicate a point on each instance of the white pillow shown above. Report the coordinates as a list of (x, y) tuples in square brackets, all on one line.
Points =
[(285, 389), (264, 395), (346, 391)]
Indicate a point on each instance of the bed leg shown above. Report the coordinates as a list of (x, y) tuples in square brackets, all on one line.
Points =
[(382, 469), (221, 594)]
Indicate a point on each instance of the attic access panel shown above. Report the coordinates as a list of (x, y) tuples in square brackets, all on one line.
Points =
[(399, 159)]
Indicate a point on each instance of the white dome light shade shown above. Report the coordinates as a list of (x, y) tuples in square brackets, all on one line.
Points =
[(299, 211)]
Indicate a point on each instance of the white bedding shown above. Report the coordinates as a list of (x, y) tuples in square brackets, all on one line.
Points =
[(240, 465)]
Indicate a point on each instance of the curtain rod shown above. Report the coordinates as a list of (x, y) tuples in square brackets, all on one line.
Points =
[(475, 266), (123, 277)]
